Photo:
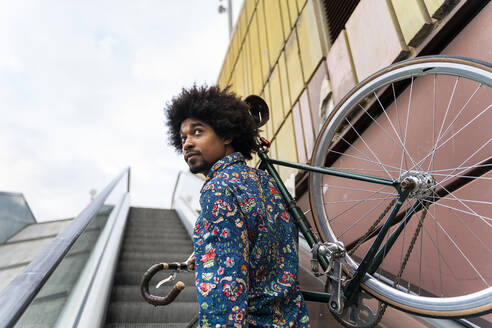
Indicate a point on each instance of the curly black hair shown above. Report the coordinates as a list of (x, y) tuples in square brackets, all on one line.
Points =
[(226, 113)]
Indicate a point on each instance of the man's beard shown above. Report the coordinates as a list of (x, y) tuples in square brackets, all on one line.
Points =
[(201, 167)]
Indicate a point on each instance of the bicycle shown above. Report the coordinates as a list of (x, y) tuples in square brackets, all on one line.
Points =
[(428, 252)]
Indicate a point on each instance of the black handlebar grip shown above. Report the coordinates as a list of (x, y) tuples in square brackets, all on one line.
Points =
[(147, 276)]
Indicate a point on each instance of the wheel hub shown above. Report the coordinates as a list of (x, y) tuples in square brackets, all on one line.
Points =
[(421, 184)]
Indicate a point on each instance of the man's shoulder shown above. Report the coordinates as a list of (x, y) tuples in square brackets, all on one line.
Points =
[(235, 176)]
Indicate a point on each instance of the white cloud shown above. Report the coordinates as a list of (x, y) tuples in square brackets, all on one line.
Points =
[(82, 88)]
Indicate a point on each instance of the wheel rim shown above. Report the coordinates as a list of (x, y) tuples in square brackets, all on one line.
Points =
[(421, 70)]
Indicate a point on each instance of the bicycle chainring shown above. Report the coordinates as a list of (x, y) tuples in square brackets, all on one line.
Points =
[(366, 312)]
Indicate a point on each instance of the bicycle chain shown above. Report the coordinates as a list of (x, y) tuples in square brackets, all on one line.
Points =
[(373, 227), (403, 265)]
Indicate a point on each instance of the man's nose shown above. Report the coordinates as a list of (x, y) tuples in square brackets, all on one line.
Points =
[(188, 144)]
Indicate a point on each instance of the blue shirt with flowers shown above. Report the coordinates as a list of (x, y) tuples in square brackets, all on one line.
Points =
[(246, 251)]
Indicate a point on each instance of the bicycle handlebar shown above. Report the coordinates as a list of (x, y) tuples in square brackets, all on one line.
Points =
[(147, 276)]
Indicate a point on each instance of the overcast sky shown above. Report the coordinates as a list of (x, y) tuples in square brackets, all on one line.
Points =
[(82, 88)]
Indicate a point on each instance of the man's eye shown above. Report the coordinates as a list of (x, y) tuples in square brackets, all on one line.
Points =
[(183, 140), (198, 131)]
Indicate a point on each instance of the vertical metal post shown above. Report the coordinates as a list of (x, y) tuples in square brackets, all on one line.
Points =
[(229, 11), (128, 180)]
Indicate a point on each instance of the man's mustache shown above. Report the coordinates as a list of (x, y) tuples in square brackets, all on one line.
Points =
[(191, 153)]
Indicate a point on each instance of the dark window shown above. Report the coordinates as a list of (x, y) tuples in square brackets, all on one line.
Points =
[(337, 13)]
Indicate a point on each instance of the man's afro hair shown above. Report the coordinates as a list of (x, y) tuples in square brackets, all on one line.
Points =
[(226, 113)]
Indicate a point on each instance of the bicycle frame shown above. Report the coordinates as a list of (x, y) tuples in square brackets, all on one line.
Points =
[(373, 257)]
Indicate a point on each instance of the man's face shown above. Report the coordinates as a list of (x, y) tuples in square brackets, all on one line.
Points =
[(202, 147)]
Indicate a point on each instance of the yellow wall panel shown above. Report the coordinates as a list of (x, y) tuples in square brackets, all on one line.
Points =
[(414, 20), (294, 72), (241, 22), (225, 73), (239, 73), (269, 126), (262, 34), (273, 151), (247, 67), (433, 6), (284, 83), (276, 99), (221, 80), (250, 7), (309, 40), (256, 72), (284, 10), (293, 11), (275, 31), (234, 47), (300, 4), (286, 147), (230, 64)]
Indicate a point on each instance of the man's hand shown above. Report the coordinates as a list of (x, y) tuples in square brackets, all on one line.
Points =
[(191, 262)]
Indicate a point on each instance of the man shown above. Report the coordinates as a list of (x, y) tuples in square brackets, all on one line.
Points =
[(245, 241)]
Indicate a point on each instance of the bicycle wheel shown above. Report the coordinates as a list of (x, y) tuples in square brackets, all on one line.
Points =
[(428, 118)]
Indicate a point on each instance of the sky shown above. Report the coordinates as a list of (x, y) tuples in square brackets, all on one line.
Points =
[(83, 85)]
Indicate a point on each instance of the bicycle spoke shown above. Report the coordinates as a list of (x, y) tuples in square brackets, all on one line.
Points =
[(406, 122), (444, 119), (356, 200), (459, 250), (440, 257), (359, 189), (395, 101), (438, 254), (353, 206), (431, 162), (420, 260), (462, 176), (474, 153), (466, 125), (357, 149), (364, 170), (461, 129), (362, 159), (470, 230), (461, 110), (459, 200), (363, 217), (471, 201), (392, 126), (367, 146), (460, 168), (483, 218)]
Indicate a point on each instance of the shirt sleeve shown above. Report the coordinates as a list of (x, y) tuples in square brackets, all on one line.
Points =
[(222, 260)]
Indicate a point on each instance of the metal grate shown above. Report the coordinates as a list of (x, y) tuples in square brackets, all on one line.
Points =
[(337, 13)]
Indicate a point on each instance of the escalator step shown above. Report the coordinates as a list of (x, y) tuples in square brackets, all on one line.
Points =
[(131, 293), (142, 312), (133, 278), (151, 236), (155, 257), (145, 325)]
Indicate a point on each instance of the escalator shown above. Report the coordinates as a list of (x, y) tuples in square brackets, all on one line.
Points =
[(151, 236)]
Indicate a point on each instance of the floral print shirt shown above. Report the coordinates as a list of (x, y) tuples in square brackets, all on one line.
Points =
[(246, 251)]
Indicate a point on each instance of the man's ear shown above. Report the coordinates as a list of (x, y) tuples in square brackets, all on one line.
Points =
[(227, 141)]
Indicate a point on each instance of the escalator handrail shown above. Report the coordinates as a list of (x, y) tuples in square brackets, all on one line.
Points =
[(16, 297)]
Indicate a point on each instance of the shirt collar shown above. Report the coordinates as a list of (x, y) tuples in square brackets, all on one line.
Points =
[(225, 162)]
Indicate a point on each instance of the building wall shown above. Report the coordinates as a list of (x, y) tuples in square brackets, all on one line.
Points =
[(281, 50), (275, 52)]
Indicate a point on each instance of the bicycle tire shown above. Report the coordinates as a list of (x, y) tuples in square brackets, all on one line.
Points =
[(361, 134)]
